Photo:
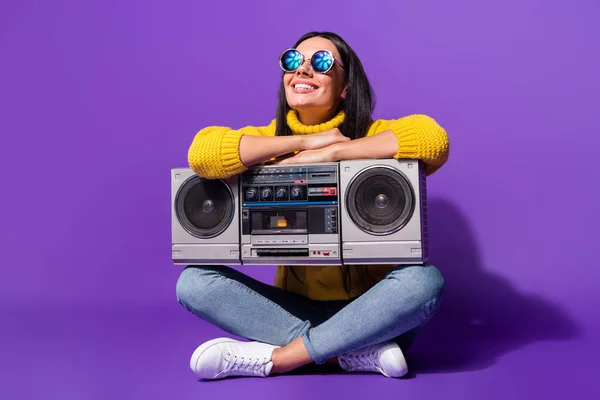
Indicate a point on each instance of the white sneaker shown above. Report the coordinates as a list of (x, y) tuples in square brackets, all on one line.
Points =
[(222, 357), (386, 358)]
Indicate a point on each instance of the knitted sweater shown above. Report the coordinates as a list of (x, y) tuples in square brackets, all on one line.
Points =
[(214, 153)]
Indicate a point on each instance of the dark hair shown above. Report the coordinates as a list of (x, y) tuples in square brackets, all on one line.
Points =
[(360, 99)]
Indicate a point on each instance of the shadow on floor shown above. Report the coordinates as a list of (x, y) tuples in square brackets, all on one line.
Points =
[(482, 316)]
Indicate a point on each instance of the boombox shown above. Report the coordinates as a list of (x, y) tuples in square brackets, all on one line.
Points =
[(337, 213)]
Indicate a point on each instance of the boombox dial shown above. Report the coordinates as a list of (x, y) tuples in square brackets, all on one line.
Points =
[(297, 193), (281, 193), (266, 194), (251, 194)]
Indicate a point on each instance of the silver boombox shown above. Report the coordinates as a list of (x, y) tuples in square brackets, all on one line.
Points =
[(347, 212)]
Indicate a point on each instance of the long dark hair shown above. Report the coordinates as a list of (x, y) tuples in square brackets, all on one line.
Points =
[(360, 99)]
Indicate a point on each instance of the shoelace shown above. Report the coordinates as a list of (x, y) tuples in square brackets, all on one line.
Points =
[(249, 365), (364, 361)]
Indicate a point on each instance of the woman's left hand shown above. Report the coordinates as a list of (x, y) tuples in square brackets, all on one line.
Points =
[(324, 154)]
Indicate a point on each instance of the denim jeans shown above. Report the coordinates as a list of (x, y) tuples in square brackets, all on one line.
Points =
[(396, 308)]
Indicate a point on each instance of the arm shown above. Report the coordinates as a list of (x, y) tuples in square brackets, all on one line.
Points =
[(411, 137), (256, 149), (380, 145), (221, 152)]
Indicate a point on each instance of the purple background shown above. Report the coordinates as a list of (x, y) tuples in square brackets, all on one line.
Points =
[(99, 101)]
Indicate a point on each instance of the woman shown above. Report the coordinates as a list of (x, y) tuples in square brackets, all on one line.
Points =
[(360, 317)]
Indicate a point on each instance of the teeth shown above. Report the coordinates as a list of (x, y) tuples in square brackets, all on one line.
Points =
[(304, 86)]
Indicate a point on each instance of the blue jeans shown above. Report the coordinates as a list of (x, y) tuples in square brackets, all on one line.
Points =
[(396, 308)]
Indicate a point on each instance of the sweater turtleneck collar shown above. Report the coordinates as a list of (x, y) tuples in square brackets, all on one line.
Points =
[(298, 128)]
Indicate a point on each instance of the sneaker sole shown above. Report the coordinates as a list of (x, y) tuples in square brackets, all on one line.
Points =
[(202, 348)]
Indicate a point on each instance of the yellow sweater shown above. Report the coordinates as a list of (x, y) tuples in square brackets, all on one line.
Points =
[(214, 153)]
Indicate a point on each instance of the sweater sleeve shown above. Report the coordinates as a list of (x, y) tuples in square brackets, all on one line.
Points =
[(419, 137), (214, 152)]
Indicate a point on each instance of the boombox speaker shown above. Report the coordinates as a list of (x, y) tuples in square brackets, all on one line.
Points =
[(383, 211), (205, 219), (347, 212)]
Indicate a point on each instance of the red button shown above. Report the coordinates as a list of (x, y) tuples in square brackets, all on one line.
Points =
[(325, 253)]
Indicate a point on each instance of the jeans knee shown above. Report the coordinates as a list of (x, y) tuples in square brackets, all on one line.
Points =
[(426, 284), (434, 282), (432, 290), (185, 284), (192, 285)]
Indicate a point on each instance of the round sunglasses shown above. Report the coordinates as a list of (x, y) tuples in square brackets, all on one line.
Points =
[(322, 61)]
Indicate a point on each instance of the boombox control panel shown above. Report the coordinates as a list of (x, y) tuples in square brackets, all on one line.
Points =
[(293, 184), (289, 212)]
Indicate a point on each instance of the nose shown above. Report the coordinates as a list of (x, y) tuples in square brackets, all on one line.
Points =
[(304, 68)]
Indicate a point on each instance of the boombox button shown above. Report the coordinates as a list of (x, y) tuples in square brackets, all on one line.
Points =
[(325, 253)]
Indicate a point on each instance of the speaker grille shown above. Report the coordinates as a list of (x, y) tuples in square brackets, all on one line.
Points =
[(204, 207), (424, 220), (380, 200)]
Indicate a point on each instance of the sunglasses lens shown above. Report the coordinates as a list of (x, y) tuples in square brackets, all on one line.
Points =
[(291, 60), (322, 61)]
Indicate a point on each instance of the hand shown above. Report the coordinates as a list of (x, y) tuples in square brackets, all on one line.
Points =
[(325, 154), (323, 139)]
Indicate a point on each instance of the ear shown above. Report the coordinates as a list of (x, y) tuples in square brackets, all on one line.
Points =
[(343, 95)]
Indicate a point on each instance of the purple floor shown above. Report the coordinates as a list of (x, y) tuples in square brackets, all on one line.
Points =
[(143, 354)]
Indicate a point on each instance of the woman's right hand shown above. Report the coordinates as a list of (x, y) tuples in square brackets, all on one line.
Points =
[(323, 139)]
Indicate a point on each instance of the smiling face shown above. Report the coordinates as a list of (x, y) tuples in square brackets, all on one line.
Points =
[(315, 96)]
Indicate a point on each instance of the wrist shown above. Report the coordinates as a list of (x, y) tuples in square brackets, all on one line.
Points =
[(338, 149), (301, 142)]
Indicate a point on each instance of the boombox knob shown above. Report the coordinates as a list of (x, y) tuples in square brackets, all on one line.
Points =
[(296, 192), (281, 193), (266, 193), (251, 194)]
